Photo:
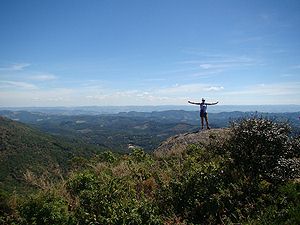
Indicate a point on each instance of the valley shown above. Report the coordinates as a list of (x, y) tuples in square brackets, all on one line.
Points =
[(120, 131)]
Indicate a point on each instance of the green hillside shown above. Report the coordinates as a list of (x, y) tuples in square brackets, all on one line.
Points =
[(23, 148)]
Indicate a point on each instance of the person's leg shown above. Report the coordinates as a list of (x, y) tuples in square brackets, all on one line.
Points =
[(206, 120), (202, 122)]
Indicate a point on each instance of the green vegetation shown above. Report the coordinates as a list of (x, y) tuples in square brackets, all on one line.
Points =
[(23, 148), (251, 178)]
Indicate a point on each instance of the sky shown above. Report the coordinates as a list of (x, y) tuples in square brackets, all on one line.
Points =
[(158, 52)]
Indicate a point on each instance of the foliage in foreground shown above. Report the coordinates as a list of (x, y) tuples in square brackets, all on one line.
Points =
[(253, 178)]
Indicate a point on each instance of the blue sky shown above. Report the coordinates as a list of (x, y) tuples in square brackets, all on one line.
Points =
[(138, 52)]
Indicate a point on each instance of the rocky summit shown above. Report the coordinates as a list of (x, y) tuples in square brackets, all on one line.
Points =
[(178, 143)]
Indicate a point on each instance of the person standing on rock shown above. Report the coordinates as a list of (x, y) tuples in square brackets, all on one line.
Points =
[(203, 111)]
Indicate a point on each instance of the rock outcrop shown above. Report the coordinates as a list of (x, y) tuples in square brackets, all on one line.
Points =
[(177, 144)]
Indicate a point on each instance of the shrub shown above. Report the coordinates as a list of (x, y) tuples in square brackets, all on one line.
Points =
[(138, 155), (284, 207), (109, 156), (113, 201), (195, 194), (257, 145), (45, 208), (5, 209), (82, 181), (4, 206)]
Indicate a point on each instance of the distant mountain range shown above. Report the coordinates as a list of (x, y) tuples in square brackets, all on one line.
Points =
[(96, 110)]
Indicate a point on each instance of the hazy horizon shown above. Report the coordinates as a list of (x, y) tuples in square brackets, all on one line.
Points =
[(153, 108), (74, 53)]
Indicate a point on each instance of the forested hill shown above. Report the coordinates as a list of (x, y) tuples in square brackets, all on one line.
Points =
[(24, 148)]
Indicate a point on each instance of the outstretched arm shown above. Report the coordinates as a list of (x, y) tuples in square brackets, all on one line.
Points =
[(195, 103), (214, 103)]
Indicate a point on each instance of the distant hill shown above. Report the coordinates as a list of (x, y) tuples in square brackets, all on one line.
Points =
[(97, 110), (24, 148)]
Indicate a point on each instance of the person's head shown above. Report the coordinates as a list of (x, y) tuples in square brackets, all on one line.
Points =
[(203, 100)]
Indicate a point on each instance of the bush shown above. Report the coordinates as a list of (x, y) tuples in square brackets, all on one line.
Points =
[(4, 206), (113, 201), (257, 145), (82, 181), (45, 208), (284, 207), (5, 209)]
